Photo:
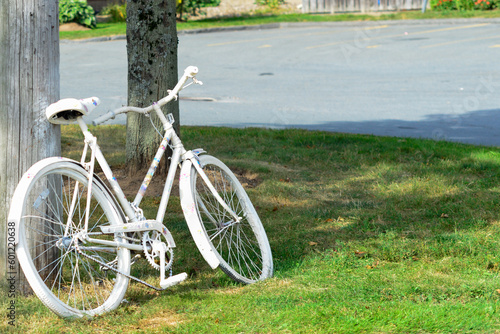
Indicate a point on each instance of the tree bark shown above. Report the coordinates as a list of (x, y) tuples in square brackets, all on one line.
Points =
[(29, 82), (152, 70)]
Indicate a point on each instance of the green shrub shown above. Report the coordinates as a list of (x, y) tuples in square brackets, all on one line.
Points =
[(193, 7), (184, 8), (118, 12), (273, 4), (76, 11), (464, 5), (443, 5), (486, 4)]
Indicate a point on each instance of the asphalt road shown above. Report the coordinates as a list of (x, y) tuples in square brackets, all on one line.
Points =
[(431, 79)]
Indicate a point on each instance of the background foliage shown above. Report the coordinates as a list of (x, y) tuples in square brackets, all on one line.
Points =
[(77, 11), (185, 8), (272, 4), (464, 5), (193, 7), (118, 12)]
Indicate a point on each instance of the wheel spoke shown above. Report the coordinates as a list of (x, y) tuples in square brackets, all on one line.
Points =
[(241, 245), (51, 224)]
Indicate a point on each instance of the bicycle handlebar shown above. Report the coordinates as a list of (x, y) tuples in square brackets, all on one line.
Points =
[(189, 72)]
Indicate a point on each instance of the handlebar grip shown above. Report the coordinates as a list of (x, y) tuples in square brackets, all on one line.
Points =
[(191, 71), (101, 119)]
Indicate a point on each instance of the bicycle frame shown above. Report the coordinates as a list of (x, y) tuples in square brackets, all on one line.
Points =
[(136, 222), (132, 210)]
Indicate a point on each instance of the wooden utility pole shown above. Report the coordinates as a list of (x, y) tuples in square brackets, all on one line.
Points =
[(29, 82), (152, 70)]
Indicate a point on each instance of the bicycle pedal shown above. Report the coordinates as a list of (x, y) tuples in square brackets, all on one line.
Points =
[(173, 280)]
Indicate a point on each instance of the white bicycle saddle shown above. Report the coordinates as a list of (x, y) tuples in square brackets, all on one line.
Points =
[(66, 111)]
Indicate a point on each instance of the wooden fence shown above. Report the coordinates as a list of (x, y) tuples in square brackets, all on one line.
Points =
[(363, 6)]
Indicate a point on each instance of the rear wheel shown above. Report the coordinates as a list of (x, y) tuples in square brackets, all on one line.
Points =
[(241, 245), (69, 274)]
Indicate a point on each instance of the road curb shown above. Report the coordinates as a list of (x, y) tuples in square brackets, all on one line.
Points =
[(302, 25), (96, 39)]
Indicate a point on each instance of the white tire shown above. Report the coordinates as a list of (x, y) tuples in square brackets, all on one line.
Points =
[(242, 248), (49, 251)]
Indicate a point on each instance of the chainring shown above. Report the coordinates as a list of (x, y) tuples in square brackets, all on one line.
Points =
[(154, 257)]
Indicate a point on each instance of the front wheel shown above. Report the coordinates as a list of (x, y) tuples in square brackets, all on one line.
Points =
[(72, 276), (240, 245)]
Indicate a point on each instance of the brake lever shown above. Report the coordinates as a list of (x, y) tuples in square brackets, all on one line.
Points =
[(198, 82)]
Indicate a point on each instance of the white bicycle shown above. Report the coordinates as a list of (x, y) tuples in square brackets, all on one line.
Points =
[(76, 240)]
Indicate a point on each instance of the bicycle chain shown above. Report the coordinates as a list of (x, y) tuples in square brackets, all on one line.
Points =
[(116, 270)]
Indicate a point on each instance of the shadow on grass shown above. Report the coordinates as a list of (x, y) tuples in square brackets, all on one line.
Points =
[(323, 191), (481, 127), (389, 198)]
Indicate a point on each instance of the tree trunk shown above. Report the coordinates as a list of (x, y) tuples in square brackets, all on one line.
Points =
[(152, 70), (29, 82)]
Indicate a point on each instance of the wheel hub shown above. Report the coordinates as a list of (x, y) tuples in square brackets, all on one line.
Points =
[(64, 243)]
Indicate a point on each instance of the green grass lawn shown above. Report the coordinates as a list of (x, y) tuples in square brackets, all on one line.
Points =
[(110, 29), (369, 235)]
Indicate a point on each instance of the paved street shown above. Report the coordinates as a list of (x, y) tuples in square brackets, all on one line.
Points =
[(438, 79)]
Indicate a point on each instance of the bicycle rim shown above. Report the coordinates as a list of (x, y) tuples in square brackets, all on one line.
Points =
[(57, 263), (241, 246)]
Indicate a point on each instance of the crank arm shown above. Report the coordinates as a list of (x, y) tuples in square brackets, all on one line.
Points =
[(172, 280)]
